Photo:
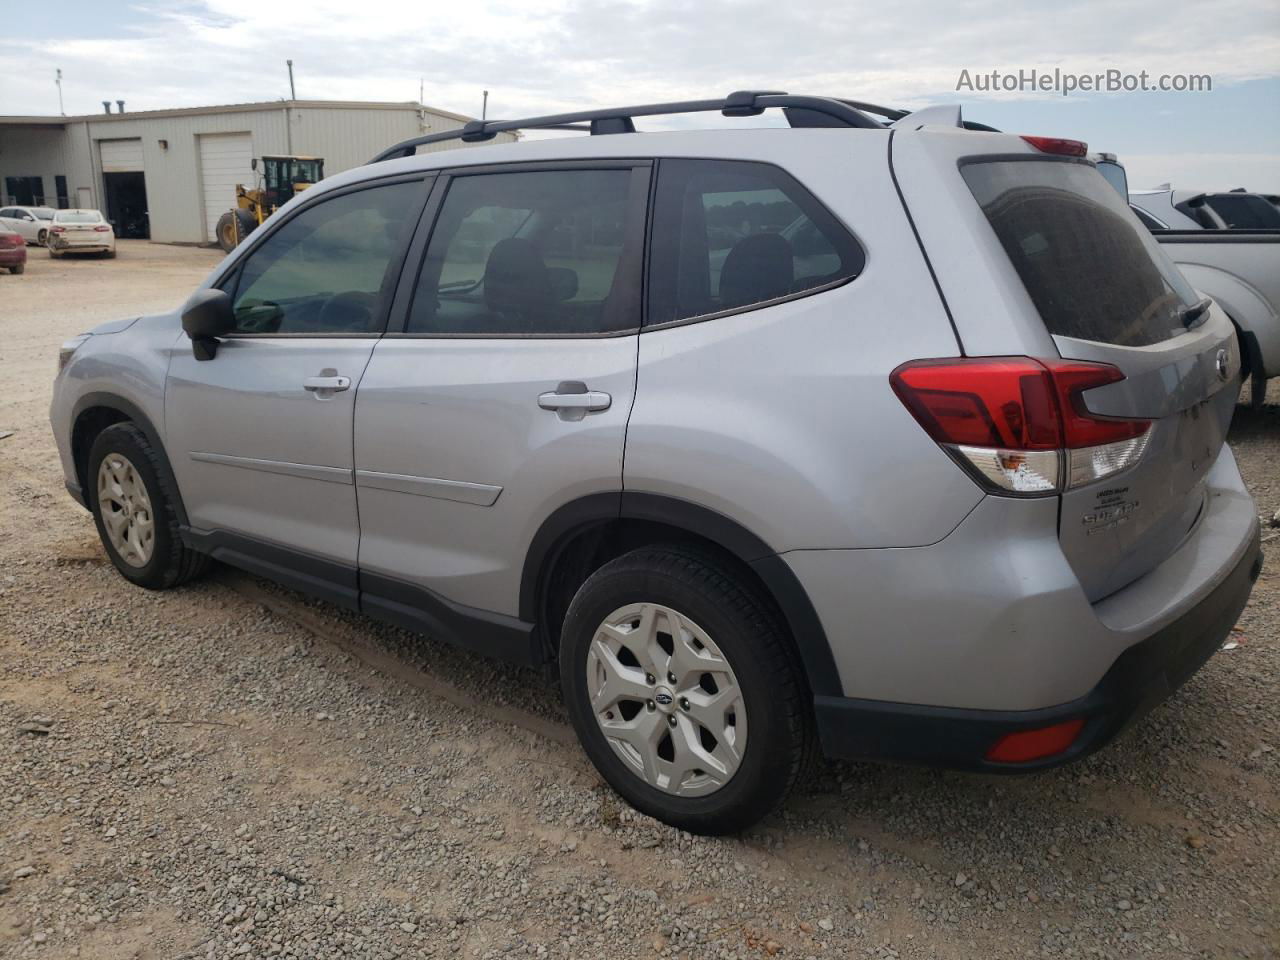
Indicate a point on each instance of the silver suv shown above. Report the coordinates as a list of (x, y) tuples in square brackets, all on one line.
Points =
[(900, 441)]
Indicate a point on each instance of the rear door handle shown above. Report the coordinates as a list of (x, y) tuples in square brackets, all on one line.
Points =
[(573, 401), (326, 386)]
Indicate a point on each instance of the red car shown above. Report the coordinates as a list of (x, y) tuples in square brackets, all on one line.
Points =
[(13, 251)]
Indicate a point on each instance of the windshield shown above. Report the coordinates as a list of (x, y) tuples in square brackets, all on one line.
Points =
[(1091, 269), (77, 216)]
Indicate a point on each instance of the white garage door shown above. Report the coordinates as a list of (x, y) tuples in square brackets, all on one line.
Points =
[(224, 162), (121, 156)]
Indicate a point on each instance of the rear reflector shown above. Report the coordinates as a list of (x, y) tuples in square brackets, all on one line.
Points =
[(1035, 744), (1059, 146), (1020, 425)]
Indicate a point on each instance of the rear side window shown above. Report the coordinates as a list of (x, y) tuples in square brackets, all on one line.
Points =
[(1148, 221), (729, 235), (1090, 268), (534, 253), (1244, 211)]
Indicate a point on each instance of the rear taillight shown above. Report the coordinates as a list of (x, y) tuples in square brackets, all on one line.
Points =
[(101, 229), (1020, 425), (1058, 146), (11, 240), (57, 229)]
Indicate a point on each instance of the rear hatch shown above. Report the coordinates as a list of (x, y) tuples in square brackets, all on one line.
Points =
[(1089, 283)]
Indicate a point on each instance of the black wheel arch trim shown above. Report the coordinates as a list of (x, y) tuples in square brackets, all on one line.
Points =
[(797, 609), (135, 415)]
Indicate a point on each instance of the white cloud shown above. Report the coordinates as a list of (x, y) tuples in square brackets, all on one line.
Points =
[(1204, 171), (551, 54)]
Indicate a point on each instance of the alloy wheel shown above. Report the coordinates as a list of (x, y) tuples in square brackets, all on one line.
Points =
[(125, 507), (666, 699)]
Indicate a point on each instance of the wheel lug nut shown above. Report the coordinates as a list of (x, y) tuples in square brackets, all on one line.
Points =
[(671, 721), (650, 705), (650, 679), (684, 703), (671, 677)]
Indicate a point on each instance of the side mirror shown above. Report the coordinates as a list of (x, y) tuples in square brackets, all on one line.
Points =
[(205, 317)]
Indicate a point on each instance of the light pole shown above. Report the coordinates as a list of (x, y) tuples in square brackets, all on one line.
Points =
[(61, 109)]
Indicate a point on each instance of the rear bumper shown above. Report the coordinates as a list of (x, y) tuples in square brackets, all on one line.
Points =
[(1141, 677), (13, 257)]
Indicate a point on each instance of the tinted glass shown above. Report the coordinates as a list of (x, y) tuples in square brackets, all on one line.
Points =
[(1089, 266), (1114, 174), (1244, 211), (1148, 221), (521, 254), (730, 234), (323, 270)]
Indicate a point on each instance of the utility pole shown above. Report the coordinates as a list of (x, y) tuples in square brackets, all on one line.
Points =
[(484, 108), (61, 109), (292, 94), (420, 90)]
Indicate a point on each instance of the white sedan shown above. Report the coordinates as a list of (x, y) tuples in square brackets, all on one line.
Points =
[(81, 231), (30, 223)]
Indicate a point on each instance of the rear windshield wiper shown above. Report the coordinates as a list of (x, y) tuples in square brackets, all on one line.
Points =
[(1194, 314)]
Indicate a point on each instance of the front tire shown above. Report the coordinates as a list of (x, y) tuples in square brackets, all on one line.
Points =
[(134, 511), (684, 689), (42, 237)]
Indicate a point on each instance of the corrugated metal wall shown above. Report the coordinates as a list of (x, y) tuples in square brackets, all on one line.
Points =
[(345, 136)]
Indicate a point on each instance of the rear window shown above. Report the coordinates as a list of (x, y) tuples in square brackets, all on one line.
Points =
[(1244, 211), (1091, 269), (76, 216)]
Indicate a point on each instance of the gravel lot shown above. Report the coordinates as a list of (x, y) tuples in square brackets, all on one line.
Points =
[(233, 770)]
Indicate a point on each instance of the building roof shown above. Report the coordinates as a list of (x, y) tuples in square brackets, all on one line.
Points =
[(47, 121)]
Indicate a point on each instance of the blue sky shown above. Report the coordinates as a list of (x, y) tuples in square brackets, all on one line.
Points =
[(542, 55)]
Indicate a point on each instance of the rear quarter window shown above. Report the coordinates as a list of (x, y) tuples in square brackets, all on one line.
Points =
[(1090, 267)]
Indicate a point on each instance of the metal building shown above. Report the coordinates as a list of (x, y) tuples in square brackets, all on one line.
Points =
[(169, 174)]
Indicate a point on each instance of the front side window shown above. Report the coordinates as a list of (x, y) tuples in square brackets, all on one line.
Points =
[(538, 253), (732, 234), (322, 271)]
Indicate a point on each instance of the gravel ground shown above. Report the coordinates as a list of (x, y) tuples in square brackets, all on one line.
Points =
[(233, 770)]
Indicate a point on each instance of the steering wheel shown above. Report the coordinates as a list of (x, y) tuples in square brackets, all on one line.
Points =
[(352, 310)]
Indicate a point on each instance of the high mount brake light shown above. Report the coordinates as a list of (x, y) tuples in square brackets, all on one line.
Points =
[(1058, 146), (1020, 425)]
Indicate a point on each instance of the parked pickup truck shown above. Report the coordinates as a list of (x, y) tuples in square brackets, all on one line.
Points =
[(1238, 268)]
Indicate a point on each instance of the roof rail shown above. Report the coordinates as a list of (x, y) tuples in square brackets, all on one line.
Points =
[(800, 112)]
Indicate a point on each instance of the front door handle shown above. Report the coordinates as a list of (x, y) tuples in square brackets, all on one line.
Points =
[(327, 384), (573, 401)]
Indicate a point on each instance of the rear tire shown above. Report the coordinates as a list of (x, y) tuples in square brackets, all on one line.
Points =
[(678, 746), (42, 237), (109, 254), (53, 254), (18, 268), (133, 509)]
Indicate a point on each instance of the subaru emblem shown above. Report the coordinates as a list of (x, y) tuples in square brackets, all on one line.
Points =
[(662, 697)]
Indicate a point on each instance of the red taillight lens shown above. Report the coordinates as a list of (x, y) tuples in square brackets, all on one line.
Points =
[(1035, 744), (1015, 421), (990, 402), (1059, 146), (102, 229), (11, 240), (57, 229)]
